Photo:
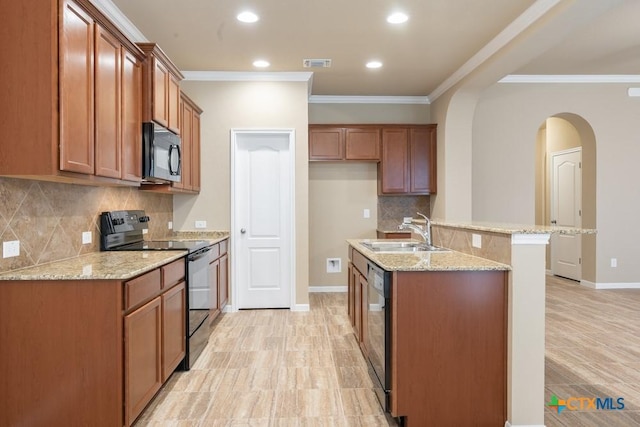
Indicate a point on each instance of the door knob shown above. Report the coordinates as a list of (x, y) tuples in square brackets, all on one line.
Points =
[(243, 230)]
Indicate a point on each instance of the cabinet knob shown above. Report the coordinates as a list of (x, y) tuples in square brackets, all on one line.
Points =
[(243, 230)]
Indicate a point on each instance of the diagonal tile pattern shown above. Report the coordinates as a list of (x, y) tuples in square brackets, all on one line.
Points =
[(48, 218), (282, 368)]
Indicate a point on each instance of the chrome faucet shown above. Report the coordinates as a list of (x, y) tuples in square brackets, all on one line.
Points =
[(425, 233)]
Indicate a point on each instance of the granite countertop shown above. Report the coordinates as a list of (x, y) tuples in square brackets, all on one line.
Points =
[(426, 261), (112, 265), (506, 228)]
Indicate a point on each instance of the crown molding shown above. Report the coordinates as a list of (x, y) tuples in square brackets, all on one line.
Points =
[(338, 99), (568, 78), (123, 23), (513, 30), (247, 76)]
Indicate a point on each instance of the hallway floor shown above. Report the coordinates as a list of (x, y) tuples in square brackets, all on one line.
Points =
[(283, 368)]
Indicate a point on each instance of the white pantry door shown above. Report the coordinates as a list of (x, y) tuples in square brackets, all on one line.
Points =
[(262, 218), (566, 210)]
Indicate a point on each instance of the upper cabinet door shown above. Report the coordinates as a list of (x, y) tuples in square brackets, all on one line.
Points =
[(362, 144), (422, 144), (173, 104), (160, 93), (76, 90), (107, 104), (393, 172), (326, 144), (131, 102)]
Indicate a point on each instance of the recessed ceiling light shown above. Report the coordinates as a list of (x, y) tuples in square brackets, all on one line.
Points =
[(374, 64), (248, 17), (260, 63), (397, 18)]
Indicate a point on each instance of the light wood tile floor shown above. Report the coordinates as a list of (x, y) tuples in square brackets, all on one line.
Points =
[(592, 350), (283, 368)]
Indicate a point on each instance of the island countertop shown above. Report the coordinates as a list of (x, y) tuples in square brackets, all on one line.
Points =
[(426, 261), (508, 228), (110, 265)]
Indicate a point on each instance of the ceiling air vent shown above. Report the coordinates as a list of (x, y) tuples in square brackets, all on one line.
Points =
[(316, 63)]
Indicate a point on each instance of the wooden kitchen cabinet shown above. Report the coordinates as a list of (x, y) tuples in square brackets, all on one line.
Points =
[(65, 97), (336, 142), (160, 88), (408, 163), (173, 327), (154, 334), (219, 278), (358, 295), (190, 135), (142, 357)]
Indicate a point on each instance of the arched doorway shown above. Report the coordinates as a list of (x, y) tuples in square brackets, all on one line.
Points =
[(560, 134)]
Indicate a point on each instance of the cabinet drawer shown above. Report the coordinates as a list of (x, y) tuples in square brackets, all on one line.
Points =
[(172, 273), (142, 288), (223, 247)]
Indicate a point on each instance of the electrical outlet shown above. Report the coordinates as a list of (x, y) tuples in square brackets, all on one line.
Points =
[(407, 220), (201, 224), (10, 249), (170, 225), (366, 213), (145, 230), (614, 262), (87, 237), (476, 240)]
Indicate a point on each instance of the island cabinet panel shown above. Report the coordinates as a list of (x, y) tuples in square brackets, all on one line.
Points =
[(61, 353), (449, 351), (76, 90)]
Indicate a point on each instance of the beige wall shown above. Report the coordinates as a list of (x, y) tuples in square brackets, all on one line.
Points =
[(505, 126), (339, 192), (247, 105)]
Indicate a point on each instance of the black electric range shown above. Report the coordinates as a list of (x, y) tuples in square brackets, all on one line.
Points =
[(124, 231)]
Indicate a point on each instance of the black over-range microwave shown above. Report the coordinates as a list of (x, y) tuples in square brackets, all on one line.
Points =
[(161, 154)]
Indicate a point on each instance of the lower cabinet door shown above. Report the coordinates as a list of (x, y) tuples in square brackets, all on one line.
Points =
[(142, 357), (173, 329), (224, 281)]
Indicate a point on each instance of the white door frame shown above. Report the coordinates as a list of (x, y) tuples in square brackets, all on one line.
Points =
[(234, 233)]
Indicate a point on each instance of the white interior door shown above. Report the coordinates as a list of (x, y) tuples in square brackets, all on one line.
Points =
[(566, 210), (262, 219)]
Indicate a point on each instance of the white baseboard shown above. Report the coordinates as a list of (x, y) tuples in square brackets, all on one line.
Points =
[(339, 288), (620, 285), (300, 307)]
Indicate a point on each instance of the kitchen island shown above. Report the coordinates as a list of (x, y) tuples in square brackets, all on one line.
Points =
[(436, 338)]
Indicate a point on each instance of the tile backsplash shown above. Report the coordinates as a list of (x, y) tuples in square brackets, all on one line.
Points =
[(392, 209), (48, 218)]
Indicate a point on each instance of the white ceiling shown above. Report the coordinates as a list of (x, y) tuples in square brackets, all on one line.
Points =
[(418, 56)]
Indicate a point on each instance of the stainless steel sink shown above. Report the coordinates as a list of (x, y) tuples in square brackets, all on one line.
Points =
[(395, 246)]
